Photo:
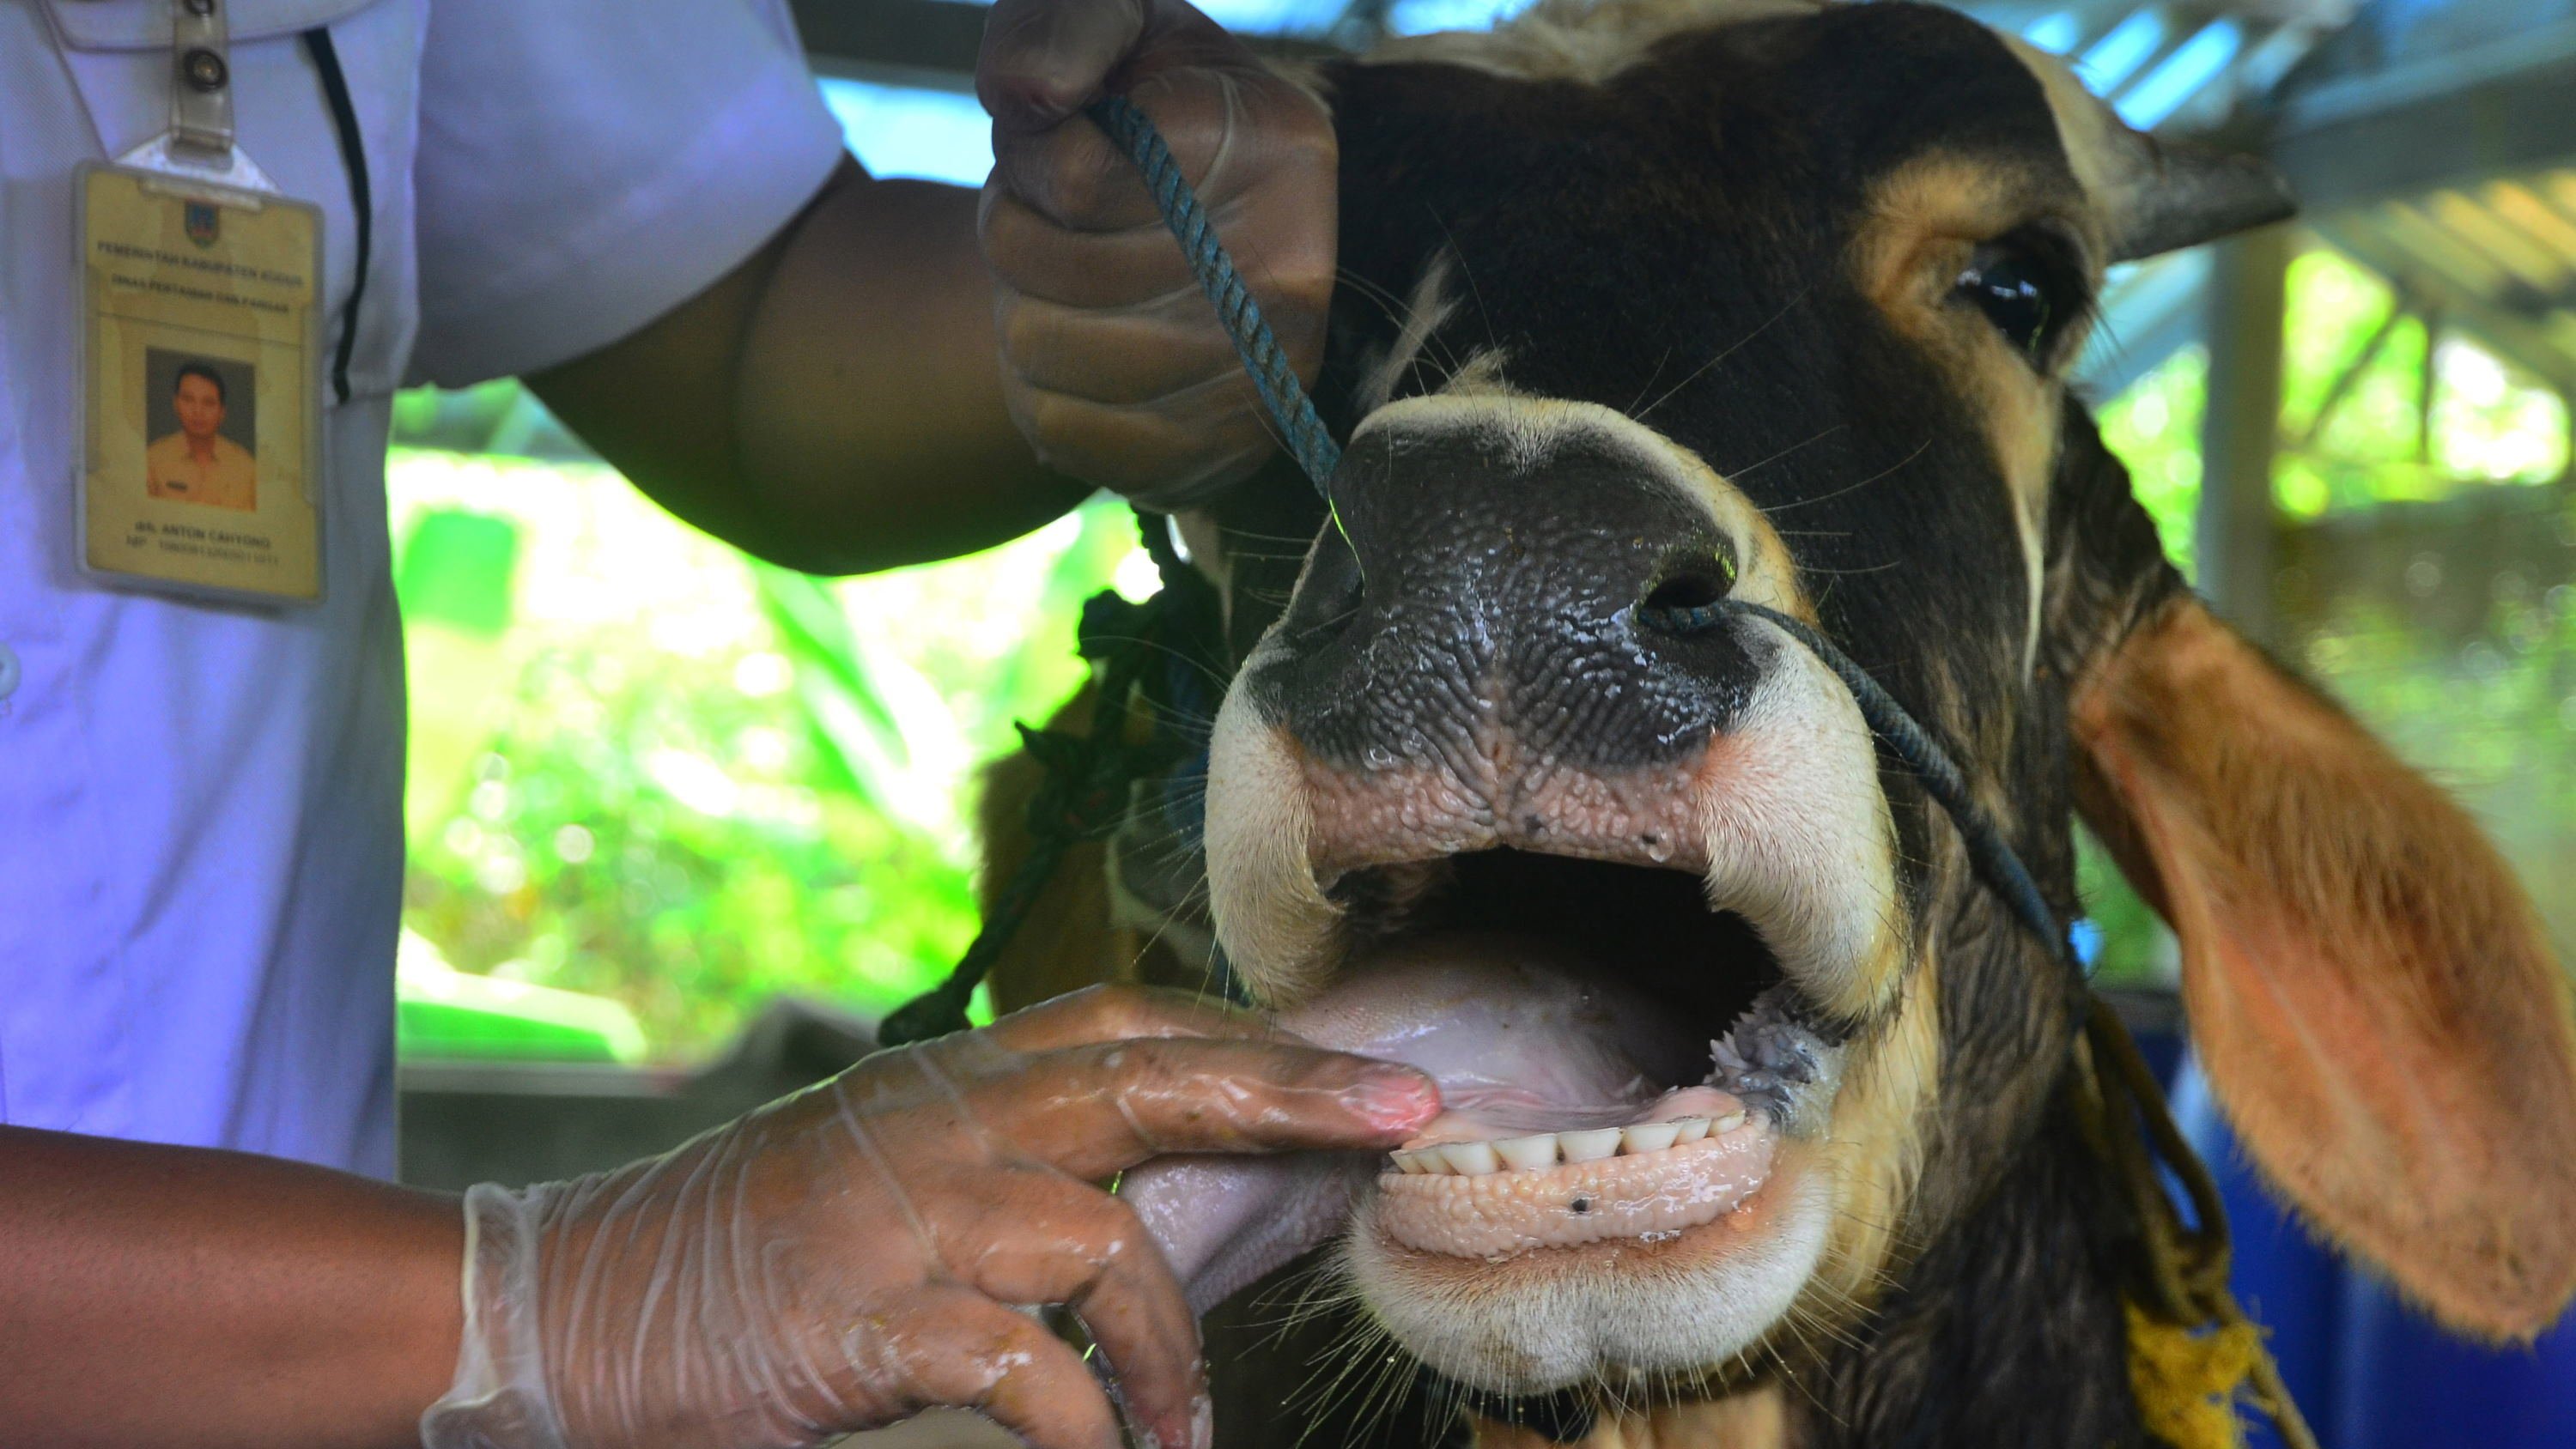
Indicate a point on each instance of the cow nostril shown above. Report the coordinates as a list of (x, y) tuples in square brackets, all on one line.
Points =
[(1686, 591), (1690, 586), (1330, 597)]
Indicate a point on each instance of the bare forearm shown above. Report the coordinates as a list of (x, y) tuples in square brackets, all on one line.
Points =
[(871, 388), (164, 1295), (833, 404)]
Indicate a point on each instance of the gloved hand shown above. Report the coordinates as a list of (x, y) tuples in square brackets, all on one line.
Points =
[(1112, 359), (846, 1257)]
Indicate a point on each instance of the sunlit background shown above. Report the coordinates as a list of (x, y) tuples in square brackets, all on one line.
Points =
[(655, 785)]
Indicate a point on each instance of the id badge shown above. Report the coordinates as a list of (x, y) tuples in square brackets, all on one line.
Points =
[(201, 385)]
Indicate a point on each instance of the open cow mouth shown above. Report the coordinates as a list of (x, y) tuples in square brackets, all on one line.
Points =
[(1617, 1061), (1628, 1077)]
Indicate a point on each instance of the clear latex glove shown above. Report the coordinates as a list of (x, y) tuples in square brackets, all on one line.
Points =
[(849, 1256), (1112, 359)]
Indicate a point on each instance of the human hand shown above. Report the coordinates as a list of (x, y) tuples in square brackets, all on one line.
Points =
[(1113, 362), (846, 1257)]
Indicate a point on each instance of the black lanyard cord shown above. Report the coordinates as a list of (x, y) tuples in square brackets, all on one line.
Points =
[(353, 157)]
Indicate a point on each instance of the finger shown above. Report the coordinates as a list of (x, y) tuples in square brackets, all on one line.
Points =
[(1185, 471), (1129, 356), (1122, 1013), (962, 1350), (1080, 1247), (1078, 178), (1231, 130), (1093, 1110), (1038, 258), (1040, 60), (1170, 455)]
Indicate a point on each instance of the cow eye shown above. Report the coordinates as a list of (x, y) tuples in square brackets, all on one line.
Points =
[(2023, 288)]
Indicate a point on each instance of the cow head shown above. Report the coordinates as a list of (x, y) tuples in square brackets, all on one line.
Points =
[(1649, 304)]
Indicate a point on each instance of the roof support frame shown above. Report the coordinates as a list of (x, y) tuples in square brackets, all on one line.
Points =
[(2401, 306), (937, 39), (2236, 530), (2474, 115)]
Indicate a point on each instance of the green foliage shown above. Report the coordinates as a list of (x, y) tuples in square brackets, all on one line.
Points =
[(695, 782), (880, 731), (2154, 428), (2487, 706), (444, 1012), (2135, 949), (2488, 425), (2381, 445), (2493, 717), (458, 569)]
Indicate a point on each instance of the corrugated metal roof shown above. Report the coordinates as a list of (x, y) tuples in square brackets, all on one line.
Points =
[(2178, 66), (2493, 254)]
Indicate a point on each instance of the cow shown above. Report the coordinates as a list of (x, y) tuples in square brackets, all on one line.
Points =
[(1762, 1117)]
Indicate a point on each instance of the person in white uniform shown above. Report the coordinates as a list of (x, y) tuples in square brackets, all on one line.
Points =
[(646, 211)]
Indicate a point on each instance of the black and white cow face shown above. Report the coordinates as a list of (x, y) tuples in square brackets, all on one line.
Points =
[(1646, 305)]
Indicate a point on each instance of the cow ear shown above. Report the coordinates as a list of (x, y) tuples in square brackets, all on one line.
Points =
[(2369, 990)]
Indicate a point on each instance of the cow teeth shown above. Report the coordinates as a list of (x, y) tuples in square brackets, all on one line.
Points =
[(1471, 1159), (1589, 1146), (1540, 1151), (1649, 1136)]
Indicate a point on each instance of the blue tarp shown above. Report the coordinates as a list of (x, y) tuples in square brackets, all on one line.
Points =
[(2370, 1372)]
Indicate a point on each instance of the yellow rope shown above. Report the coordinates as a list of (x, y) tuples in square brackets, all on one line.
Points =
[(2187, 1383), (2193, 1354)]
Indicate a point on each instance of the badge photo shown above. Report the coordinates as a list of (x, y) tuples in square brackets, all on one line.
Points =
[(201, 412)]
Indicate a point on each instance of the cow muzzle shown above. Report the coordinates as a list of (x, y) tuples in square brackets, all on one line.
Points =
[(1629, 894)]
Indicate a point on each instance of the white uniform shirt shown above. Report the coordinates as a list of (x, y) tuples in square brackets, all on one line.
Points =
[(200, 805)]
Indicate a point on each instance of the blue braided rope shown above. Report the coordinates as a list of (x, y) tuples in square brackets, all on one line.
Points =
[(1267, 363), (1993, 859)]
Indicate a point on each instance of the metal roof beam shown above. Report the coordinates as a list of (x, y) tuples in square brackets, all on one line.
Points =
[(2473, 114), (935, 40), (936, 36)]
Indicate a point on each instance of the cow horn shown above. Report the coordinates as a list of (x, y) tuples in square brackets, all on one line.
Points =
[(2184, 194)]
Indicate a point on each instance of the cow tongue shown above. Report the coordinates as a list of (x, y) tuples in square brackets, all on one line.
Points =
[(1514, 1034)]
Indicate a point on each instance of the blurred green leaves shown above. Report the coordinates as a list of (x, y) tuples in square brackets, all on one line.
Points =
[(882, 732), (2486, 699), (687, 782), (457, 571)]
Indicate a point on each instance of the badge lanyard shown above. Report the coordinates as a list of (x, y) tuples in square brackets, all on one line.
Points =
[(202, 368)]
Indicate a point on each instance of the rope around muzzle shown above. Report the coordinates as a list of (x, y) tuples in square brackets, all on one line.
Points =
[(2193, 1350)]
